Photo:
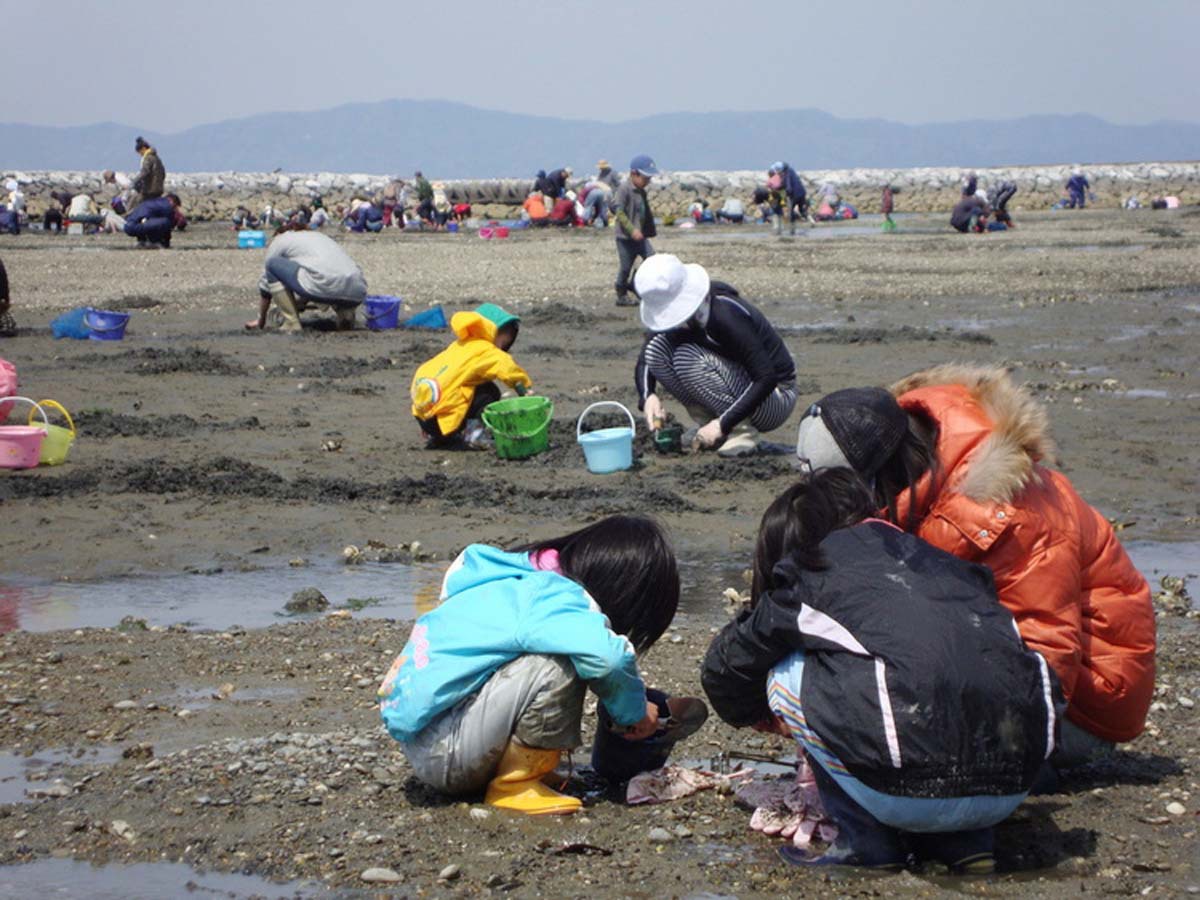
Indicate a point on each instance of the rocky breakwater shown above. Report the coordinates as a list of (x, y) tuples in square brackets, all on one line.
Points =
[(215, 196)]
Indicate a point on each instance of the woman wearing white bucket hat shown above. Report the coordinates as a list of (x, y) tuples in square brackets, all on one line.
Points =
[(715, 353)]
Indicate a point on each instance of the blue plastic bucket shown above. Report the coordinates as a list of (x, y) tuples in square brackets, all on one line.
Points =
[(607, 449), (382, 312), (452, 227), (105, 325), (428, 318)]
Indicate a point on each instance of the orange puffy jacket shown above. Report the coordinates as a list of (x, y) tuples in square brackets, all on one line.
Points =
[(1058, 565)]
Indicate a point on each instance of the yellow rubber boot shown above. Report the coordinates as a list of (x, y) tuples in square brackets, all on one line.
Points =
[(518, 786), (287, 308)]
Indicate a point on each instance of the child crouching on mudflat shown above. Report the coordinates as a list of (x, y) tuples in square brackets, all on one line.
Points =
[(488, 692), (924, 716), (450, 391)]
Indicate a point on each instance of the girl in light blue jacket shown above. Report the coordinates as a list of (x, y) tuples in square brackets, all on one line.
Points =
[(489, 689)]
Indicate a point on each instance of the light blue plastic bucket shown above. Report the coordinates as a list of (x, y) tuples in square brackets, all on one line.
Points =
[(382, 312), (606, 449), (105, 325)]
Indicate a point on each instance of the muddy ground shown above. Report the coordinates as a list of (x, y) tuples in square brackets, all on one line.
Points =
[(202, 446)]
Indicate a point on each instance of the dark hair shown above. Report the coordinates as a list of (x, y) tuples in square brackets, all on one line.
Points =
[(514, 326), (291, 226), (902, 470), (141, 143), (628, 567), (174, 198), (802, 516)]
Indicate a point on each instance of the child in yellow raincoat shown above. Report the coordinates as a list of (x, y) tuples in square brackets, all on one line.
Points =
[(450, 391)]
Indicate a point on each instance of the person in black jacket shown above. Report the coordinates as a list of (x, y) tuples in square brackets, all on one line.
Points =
[(713, 351), (894, 666), (970, 214), (793, 188), (556, 183)]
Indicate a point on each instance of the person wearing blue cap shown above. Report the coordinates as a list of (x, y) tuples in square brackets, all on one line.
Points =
[(635, 223)]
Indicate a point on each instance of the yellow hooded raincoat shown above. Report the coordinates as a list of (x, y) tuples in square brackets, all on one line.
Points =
[(445, 385)]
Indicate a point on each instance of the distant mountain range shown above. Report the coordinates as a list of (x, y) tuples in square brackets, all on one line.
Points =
[(451, 140)]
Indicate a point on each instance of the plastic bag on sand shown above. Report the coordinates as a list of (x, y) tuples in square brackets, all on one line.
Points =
[(674, 782), (71, 325)]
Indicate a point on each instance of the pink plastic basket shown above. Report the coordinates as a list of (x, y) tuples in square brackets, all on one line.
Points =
[(21, 445)]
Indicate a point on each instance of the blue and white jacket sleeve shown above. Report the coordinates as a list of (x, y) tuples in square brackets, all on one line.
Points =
[(564, 623)]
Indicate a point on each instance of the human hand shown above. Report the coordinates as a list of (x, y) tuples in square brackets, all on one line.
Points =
[(709, 435), (646, 727), (637, 235), (656, 415), (773, 725)]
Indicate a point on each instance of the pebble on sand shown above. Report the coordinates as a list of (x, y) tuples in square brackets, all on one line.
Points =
[(450, 872), (1176, 808), (378, 874), (659, 836)]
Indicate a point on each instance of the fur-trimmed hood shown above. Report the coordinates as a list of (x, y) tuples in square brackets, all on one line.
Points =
[(1004, 462)]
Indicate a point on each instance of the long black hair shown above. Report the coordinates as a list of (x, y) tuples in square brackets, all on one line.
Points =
[(902, 470), (802, 516), (628, 567)]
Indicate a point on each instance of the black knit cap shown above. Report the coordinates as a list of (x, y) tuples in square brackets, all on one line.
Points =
[(867, 423)]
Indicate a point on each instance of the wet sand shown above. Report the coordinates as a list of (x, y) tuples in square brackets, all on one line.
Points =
[(206, 448)]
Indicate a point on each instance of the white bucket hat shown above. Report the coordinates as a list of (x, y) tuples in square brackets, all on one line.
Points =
[(670, 290)]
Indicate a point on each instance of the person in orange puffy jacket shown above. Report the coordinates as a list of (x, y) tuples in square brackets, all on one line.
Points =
[(956, 455)]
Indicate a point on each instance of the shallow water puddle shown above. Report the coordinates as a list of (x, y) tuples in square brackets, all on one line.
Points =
[(196, 698), (1154, 559), (16, 783), (219, 600), (702, 586), (48, 878)]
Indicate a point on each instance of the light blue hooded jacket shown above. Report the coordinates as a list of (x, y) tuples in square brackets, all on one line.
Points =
[(495, 607)]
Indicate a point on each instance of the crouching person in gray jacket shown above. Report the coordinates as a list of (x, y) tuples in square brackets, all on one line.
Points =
[(304, 267)]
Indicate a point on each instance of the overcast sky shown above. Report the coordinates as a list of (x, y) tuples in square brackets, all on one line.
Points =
[(169, 64)]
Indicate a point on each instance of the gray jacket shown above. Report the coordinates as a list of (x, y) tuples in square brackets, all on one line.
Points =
[(326, 271), (632, 209)]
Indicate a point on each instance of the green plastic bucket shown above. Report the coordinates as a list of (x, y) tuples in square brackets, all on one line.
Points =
[(519, 425)]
